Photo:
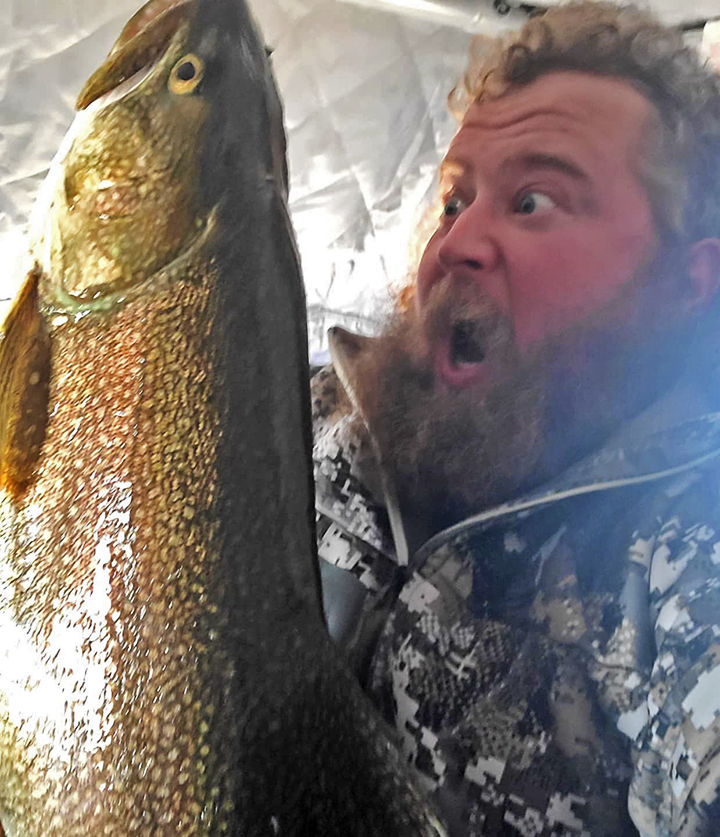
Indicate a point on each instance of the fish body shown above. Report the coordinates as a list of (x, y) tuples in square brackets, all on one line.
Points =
[(164, 664)]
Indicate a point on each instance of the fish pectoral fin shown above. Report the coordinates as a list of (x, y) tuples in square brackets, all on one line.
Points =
[(24, 385)]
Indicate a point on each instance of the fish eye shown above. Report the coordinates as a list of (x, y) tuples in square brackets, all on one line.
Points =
[(186, 74)]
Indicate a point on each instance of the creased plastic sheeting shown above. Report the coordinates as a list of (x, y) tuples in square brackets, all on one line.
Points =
[(470, 15), (364, 93), (482, 15)]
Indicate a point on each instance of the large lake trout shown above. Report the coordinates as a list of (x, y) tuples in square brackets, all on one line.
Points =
[(164, 665)]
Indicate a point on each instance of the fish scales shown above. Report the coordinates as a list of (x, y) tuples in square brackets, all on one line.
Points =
[(164, 667), (114, 585)]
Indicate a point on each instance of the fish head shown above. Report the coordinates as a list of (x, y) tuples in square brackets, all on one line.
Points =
[(171, 129)]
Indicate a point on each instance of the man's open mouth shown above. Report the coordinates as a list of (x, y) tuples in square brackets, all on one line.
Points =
[(461, 355), (466, 343)]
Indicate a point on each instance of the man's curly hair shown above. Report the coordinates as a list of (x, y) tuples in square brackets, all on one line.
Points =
[(680, 162)]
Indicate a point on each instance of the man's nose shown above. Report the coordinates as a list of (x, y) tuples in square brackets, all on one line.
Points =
[(470, 245)]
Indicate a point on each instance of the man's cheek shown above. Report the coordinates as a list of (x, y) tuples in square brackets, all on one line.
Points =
[(429, 271), (540, 317), (558, 295)]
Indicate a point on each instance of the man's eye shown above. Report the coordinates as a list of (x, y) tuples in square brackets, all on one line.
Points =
[(532, 202), (452, 207)]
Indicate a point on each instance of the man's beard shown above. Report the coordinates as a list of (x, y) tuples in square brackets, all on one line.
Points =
[(453, 452)]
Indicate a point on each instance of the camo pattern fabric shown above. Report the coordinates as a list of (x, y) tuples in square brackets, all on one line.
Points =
[(553, 668)]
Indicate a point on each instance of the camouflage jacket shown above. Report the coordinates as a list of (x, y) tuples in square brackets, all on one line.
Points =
[(551, 664)]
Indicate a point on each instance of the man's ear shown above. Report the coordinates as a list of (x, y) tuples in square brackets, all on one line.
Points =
[(703, 270)]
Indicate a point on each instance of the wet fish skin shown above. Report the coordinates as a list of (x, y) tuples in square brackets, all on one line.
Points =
[(164, 666)]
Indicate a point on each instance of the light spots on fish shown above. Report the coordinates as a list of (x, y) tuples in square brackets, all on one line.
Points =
[(122, 553)]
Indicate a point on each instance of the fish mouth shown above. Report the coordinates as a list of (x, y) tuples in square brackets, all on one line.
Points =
[(150, 14), (144, 39)]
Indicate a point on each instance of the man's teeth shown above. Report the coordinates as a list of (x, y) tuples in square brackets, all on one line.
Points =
[(465, 343)]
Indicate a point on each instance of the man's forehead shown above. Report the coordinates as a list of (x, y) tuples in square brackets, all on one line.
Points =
[(598, 109), (571, 93)]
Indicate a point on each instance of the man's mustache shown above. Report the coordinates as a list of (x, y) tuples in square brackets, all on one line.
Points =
[(474, 321)]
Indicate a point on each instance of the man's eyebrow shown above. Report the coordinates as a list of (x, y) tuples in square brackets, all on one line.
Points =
[(541, 160), (450, 169)]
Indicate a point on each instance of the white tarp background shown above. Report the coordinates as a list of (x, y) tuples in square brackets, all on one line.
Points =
[(364, 91)]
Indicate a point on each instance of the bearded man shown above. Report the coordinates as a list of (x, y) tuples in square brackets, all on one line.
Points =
[(519, 481)]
